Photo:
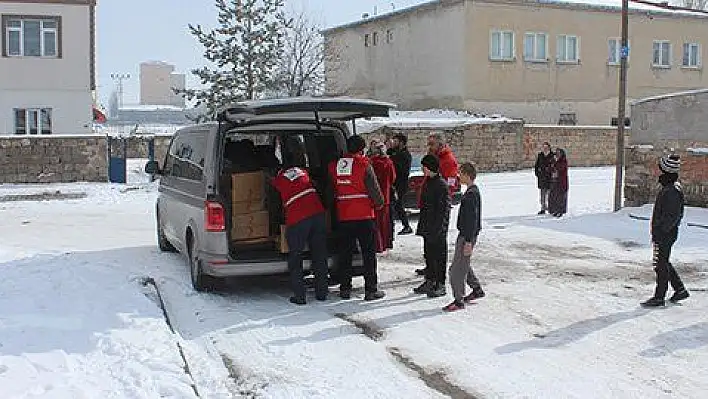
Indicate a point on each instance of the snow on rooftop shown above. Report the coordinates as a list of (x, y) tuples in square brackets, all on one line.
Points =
[(700, 151), (434, 118), (142, 107), (579, 3)]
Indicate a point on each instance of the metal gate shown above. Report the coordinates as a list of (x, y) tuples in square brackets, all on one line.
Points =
[(117, 159)]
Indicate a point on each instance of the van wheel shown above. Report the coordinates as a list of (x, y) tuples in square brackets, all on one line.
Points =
[(162, 242), (200, 281)]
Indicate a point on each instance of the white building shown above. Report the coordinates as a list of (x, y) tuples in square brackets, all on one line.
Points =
[(47, 66), (158, 81)]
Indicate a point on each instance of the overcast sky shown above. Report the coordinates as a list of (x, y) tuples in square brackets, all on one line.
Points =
[(132, 31)]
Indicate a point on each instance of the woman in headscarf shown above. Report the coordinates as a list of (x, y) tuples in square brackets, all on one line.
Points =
[(385, 174), (558, 197)]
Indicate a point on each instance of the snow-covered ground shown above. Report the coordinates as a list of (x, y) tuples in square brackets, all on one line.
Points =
[(80, 318)]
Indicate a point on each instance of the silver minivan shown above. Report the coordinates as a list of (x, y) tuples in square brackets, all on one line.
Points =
[(194, 205)]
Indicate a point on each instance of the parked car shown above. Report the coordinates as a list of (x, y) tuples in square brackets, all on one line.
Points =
[(415, 185), (197, 210)]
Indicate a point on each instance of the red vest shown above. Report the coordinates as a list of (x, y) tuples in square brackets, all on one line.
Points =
[(300, 199), (353, 201)]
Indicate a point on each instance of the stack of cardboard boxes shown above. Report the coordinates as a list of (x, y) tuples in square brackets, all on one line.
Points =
[(250, 219)]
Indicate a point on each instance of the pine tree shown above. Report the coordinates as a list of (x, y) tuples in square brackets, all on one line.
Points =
[(244, 52)]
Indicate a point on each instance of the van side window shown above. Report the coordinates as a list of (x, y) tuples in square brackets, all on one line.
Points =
[(187, 153), (170, 157)]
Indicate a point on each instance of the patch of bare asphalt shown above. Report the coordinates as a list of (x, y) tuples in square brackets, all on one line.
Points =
[(244, 389), (436, 380), (368, 328), (44, 196)]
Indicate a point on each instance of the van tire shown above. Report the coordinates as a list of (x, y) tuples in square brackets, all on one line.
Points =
[(162, 242), (200, 281)]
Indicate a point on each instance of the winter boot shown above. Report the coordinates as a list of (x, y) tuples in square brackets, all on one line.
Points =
[(406, 231), (298, 300), (541, 212), (420, 272), (653, 303), (679, 296), (423, 288), (374, 295), (345, 293), (437, 291), (454, 306), (476, 294)]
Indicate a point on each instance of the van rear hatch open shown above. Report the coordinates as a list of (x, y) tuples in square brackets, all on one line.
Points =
[(303, 109), (280, 117)]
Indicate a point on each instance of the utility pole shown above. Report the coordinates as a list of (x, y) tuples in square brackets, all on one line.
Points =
[(622, 107), (118, 78)]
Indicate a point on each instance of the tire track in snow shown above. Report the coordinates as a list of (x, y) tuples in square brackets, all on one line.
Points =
[(436, 380), (236, 376), (150, 282)]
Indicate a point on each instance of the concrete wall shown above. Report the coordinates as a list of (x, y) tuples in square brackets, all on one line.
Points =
[(679, 120), (62, 84), (642, 172)]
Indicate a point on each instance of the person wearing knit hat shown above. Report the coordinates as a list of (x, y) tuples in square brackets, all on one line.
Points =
[(433, 226), (665, 221)]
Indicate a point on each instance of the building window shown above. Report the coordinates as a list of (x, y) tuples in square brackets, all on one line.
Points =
[(535, 45), (614, 47), (367, 40), (376, 38), (31, 36), (389, 36), (33, 121), (691, 55), (501, 46), (662, 54), (568, 49)]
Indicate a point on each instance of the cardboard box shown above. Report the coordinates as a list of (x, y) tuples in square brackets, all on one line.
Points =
[(247, 207), (248, 187), (283, 241), (250, 226)]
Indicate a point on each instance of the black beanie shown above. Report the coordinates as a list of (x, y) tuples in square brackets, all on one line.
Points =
[(431, 162), (356, 144)]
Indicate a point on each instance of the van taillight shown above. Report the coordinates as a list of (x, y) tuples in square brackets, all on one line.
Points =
[(214, 216)]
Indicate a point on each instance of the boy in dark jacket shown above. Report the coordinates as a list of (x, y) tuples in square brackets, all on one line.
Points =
[(433, 226), (665, 221), (469, 224)]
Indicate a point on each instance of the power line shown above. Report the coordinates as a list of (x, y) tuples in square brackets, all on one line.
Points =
[(667, 6)]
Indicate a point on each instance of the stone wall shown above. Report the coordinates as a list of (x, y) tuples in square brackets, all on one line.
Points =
[(584, 145), (51, 159), (509, 146), (494, 147), (642, 172)]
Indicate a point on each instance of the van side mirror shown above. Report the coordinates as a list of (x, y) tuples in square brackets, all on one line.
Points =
[(152, 168)]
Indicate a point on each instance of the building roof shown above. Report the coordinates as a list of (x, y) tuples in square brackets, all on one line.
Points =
[(599, 5)]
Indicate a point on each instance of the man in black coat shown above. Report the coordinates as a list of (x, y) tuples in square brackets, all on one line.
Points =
[(401, 158), (665, 221), (542, 169), (433, 226)]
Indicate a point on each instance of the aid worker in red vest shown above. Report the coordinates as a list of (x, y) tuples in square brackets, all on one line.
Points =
[(357, 195), (305, 220)]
